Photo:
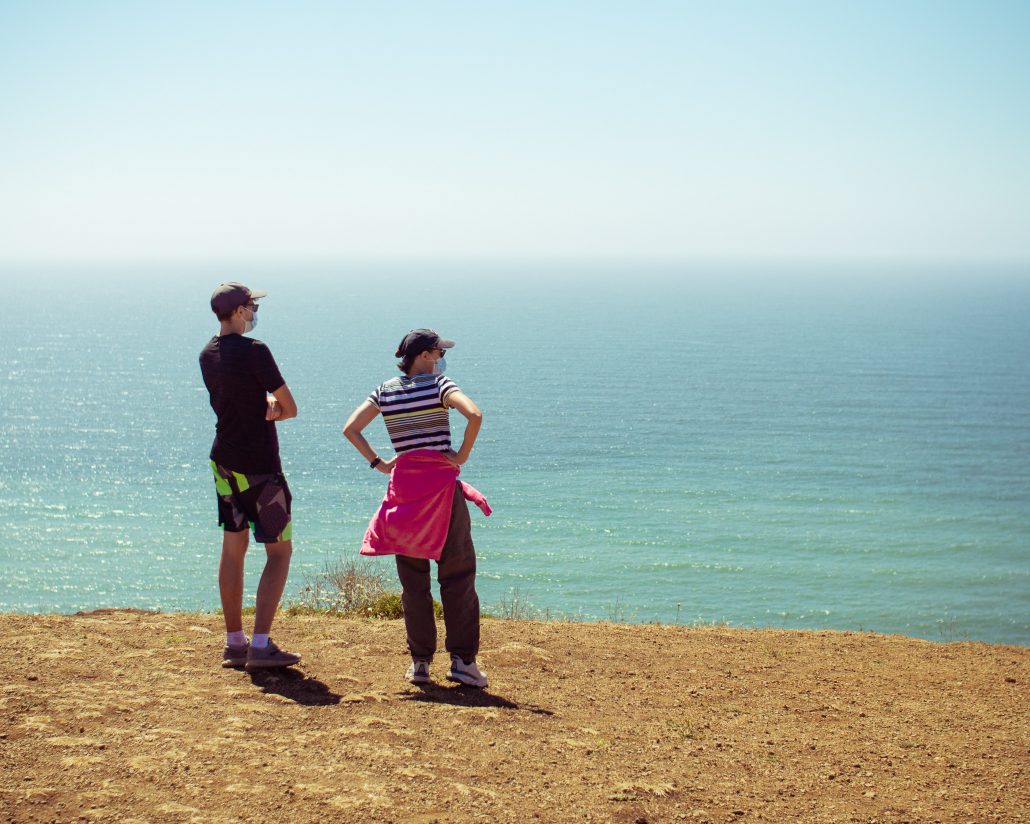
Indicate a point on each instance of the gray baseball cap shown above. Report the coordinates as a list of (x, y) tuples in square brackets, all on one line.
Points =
[(418, 341), (230, 295)]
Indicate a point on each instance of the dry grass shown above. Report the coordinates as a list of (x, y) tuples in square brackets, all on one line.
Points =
[(351, 589)]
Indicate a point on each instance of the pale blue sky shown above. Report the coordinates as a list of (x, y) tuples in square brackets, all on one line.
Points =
[(657, 130)]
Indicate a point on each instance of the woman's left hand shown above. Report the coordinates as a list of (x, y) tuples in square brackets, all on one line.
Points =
[(453, 458)]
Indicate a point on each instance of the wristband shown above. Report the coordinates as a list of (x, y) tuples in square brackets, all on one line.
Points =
[(375, 463)]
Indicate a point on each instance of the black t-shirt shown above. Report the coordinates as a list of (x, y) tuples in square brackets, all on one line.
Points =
[(238, 371)]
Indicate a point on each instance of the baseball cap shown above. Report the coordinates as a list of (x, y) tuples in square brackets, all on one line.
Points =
[(418, 341), (230, 295)]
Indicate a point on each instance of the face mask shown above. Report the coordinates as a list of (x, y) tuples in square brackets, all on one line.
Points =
[(440, 366), (250, 324)]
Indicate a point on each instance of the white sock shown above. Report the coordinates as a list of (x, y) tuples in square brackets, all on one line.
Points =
[(236, 639), (260, 640)]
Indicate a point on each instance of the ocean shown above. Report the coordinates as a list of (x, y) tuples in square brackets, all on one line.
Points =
[(816, 447)]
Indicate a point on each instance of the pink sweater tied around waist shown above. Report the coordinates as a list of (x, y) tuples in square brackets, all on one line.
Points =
[(415, 515)]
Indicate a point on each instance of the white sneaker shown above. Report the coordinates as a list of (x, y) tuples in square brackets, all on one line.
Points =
[(418, 672), (466, 673)]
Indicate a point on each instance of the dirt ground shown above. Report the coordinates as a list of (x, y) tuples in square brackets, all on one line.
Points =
[(122, 716)]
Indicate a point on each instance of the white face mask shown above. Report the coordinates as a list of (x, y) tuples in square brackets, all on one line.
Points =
[(440, 366), (250, 324)]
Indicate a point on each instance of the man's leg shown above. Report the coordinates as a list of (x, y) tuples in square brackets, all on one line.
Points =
[(230, 578), (417, 598), (263, 653), (272, 583)]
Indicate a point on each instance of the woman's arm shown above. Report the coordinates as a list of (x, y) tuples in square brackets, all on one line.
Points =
[(358, 420), (474, 419)]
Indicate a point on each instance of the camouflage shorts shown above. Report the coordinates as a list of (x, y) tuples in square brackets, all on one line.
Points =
[(262, 501)]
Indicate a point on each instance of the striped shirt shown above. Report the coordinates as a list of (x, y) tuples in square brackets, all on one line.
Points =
[(414, 411)]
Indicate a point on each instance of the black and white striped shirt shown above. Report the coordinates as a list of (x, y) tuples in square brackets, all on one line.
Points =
[(414, 411)]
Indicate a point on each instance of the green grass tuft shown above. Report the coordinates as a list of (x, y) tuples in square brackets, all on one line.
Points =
[(354, 589)]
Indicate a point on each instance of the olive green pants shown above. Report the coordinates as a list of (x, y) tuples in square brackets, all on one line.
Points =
[(456, 573)]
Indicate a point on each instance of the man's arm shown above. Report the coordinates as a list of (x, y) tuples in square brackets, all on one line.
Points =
[(474, 419), (281, 406)]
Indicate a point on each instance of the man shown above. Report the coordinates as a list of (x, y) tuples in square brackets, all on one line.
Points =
[(424, 515), (248, 395)]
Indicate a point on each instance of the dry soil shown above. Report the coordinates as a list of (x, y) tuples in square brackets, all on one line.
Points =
[(123, 716)]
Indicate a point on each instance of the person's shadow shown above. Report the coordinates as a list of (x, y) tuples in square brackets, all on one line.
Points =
[(464, 696), (295, 685)]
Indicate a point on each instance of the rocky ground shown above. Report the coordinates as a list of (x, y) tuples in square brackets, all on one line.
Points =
[(123, 716)]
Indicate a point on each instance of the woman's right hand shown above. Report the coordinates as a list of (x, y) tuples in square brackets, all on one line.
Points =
[(386, 466)]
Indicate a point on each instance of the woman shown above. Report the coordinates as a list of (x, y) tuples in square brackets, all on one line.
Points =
[(424, 515)]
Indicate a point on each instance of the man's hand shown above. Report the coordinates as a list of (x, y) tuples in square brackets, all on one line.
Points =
[(274, 410), (285, 405)]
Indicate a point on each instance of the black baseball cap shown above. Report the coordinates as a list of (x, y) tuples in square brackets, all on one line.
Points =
[(418, 341), (230, 295)]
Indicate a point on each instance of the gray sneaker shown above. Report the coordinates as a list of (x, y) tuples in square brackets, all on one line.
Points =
[(235, 656), (269, 657), (418, 672), (466, 672)]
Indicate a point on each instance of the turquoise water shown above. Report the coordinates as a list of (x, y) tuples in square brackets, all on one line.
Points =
[(845, 449)]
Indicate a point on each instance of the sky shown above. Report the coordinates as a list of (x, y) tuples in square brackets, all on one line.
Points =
[(663, 131)]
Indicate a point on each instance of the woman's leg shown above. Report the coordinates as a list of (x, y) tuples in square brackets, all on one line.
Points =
[(417, 599), (456, 573)]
